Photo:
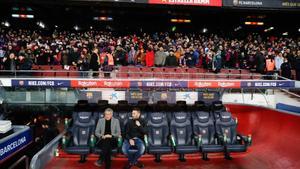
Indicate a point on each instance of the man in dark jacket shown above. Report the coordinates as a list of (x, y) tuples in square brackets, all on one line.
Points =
[(171, 60), (94, 64), (260, 62), (135, 131), (189, 58), (24, 64), (286, 69), (120, 56), (10, 64)]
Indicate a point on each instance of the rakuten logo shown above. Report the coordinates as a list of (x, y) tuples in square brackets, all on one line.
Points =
[(87, 83), (226, 84), (203, 84), (112, 84)]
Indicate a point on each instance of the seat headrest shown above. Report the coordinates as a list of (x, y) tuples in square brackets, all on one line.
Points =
[(142, 102), (162, 102), (180, 117), (203, 117), (102, 102), (122, 102), (157, 117), (82, 102), (84, 117), (181, 103), (225, 116), (200, 105), (217, 104)]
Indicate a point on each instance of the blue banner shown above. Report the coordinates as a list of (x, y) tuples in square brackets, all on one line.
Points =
[(41, 83), (15, 144), (268, 84), (158, 84)]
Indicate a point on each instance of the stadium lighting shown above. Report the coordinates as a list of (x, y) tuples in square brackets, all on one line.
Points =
[(285, 33), (102, 18), (22, 16), (187, 21), (76, 27), (41, 25), (6, 24), (30, 16), (181, 20), (238, 28), (254, 23), (260, 23), (15, 15), (204, 30), (174, 28), (91, 27), (56, 26), (299, 30), (269, 29)]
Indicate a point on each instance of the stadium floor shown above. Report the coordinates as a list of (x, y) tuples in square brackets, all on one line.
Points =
[(275, 145)]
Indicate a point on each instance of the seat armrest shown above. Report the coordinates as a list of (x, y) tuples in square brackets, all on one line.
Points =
[(67, 123), (65, 141), (120, 141), (173, 142), (198, 140), (246, 139), (146, 141), (92, 141), (221, 139)]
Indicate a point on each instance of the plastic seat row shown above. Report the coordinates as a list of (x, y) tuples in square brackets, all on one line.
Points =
[(183, 73), (55, 71)]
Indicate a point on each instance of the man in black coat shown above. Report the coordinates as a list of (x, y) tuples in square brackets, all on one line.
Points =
[(286, 69), (260, 62), (94, 64), (10, 64), (120, 56), (171, 60), (24, 64)]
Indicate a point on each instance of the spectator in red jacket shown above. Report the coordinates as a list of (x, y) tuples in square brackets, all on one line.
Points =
[(150, 57)]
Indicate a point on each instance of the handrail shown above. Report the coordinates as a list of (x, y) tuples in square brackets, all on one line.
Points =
[(23, 158), (206, 75), (291, 93), (40, 159)]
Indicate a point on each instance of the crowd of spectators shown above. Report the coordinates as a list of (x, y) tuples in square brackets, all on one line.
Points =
[(95, 50)]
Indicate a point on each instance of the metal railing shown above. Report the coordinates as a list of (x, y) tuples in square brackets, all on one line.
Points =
[(116, 74), (40, 159), (17, 163)]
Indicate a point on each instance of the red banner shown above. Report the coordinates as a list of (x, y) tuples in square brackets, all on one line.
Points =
[(188, 2), (214, 84), (100, 83)]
